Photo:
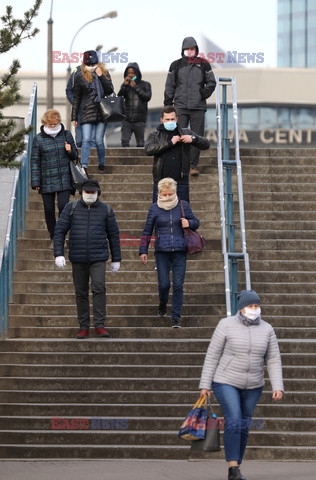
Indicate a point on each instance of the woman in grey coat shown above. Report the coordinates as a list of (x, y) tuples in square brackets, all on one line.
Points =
[(233, 367)]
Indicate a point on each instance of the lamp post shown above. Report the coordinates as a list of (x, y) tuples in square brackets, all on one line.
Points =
[(49, 93), (111, 14)]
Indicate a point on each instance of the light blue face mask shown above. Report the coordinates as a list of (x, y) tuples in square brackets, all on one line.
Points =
[(170, 126)]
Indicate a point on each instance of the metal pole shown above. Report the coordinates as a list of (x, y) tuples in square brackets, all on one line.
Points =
[(221, 197), (50, 94), (240, 186)]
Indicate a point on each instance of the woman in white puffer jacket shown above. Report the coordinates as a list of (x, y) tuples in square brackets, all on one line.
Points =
[(233, 367)]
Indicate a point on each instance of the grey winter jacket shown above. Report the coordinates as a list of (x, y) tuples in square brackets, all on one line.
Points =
[(236, 355), (190, 81)]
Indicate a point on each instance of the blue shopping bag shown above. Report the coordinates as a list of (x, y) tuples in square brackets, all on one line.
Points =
[(194, 426)]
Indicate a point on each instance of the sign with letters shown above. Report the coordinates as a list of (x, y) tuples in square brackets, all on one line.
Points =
[(276, 137)]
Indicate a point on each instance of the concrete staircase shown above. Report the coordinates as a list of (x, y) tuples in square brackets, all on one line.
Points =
[(131, 392)]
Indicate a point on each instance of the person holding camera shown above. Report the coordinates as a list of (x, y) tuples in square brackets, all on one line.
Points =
[(136, 93)]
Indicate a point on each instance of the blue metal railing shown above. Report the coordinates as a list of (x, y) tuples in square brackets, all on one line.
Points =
[(228, 166), (16, 219)]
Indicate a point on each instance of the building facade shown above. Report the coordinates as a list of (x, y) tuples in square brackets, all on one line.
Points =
[(276, 106), (297, 33)]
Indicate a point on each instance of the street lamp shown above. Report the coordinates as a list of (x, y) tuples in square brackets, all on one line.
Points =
[(49, 86), (111, 14)]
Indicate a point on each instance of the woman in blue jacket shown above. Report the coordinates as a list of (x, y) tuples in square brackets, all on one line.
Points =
[(52, 150), (170, 245)]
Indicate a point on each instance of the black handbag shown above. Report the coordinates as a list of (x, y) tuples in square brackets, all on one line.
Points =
[(211, 442), (112, 109), (78, 175)]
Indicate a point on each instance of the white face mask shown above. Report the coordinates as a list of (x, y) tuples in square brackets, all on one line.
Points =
[(89, 198), (91, 69), (252, 314), (188, 53)]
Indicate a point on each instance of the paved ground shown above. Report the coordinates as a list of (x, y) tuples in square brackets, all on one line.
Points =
[(152, 470)]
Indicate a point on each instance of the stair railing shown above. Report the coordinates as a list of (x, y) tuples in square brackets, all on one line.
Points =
[(228, 228), (16, 219)]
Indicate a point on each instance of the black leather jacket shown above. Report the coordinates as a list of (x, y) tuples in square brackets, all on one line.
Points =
[(157, 144)]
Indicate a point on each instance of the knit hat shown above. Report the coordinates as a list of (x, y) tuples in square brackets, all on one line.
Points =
[(90, 57), (247, 297)]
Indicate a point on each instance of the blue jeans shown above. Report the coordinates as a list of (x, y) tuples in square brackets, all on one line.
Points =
[(182, 192), (178, 261), (87, 142), (238, 407)]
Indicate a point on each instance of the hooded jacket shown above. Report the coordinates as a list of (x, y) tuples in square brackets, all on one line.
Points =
[(137, 97), (190, 80), (84, 95), (157, 144), (50, 161)]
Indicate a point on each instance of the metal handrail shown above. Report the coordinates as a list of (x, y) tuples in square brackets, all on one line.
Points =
[(230, 256), (16, 218)]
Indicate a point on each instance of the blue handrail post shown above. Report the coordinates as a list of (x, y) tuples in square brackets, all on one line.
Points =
[(16, 219), (226, 195)]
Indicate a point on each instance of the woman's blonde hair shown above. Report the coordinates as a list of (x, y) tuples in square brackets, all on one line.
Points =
[(51, 114), (167, 184), (88, 75)]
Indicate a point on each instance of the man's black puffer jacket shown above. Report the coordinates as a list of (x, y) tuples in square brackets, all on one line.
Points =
[(90, 231), (84, 96)]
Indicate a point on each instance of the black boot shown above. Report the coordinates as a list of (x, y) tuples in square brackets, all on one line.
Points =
[(162, 310), (235, 474)]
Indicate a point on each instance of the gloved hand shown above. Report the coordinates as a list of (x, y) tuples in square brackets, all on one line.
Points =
[(115, 266), (60, 262)]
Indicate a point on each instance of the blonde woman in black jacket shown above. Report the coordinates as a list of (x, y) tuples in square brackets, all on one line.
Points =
[(92, 83)]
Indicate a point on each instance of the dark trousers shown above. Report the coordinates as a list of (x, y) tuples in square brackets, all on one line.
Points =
[(177, 261), (128, 128), (182, 192), (49, 208), (80, 274), (196, 118), (238, 407)]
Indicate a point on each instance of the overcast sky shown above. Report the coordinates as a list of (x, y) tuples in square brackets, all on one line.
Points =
[(150, 32)]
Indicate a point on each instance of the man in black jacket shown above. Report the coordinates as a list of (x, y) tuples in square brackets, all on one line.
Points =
[(137, 94), (92, 225), (171, 146), (189, 83)]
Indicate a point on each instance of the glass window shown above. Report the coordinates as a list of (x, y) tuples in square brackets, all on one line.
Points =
[(250, 118), (210, 118), (298, 6), (298, 21), (286, 117), (268, 117), (305, 118), (284, 24), (284, 6)]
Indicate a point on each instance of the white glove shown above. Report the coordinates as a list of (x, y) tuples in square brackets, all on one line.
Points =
[(60, 262), (115, 266)]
